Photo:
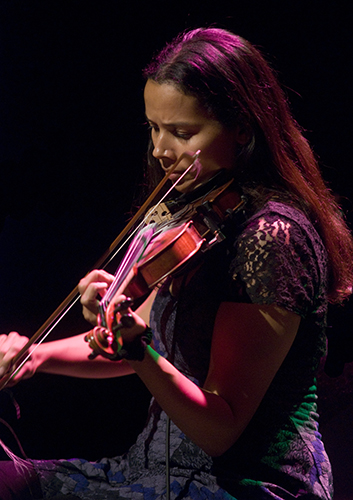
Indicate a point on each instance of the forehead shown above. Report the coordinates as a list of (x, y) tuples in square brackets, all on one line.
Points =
[(167, 103)]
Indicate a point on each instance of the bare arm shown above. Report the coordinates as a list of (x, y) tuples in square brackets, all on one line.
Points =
[(69, 356), (249, 344)]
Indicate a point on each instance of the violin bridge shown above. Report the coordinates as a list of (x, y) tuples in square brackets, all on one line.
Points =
[(158, 214)]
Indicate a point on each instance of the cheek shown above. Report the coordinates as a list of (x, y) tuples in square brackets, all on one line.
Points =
[(220, 153)]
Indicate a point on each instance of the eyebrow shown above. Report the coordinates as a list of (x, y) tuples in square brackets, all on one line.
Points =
[(174, 124)]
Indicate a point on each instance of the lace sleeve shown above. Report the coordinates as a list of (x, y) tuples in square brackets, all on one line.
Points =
[(280, 260)]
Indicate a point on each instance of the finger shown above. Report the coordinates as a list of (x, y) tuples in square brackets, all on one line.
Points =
[(25, 372), (94, 290), (3, 339), (11, 345), (12, 340), (98, 275), (90, 303), (138, 325)]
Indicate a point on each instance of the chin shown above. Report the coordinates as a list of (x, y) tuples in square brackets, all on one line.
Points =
[(186, 188)]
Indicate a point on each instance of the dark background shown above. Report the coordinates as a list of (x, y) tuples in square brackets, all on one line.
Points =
[(72, 145)]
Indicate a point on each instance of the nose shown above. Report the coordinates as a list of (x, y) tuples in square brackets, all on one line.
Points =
[(159, 152), (161, 148)]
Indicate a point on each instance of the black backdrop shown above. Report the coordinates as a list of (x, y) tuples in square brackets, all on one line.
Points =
[(72, 143)]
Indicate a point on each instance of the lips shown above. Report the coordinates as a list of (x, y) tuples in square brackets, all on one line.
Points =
[(175, 175), (166, 166)]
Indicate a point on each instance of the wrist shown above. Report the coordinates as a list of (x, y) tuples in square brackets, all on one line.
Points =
[(134, 350), (38, 358)]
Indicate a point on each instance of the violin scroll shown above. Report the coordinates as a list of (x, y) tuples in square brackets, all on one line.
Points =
[(107, 342), (102, 342)]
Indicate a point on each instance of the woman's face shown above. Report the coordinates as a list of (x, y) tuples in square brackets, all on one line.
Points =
[(179, 125)]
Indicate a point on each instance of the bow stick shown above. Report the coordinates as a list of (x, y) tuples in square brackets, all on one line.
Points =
[(59, 313)]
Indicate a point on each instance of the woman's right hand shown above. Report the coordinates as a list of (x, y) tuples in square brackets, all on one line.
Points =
[(92, 288), (10, 345)]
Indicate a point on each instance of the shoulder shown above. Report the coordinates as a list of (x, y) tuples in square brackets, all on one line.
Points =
[(281, 226), (280, 257)]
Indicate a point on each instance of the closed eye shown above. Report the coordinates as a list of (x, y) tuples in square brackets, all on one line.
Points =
[(180, 132), (152, 126), (183, 135)]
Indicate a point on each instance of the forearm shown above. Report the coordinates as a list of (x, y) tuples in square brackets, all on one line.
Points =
[(204, 417), (69, 357)]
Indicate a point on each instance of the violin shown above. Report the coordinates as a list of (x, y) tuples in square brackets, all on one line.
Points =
[(165, 256), (169, 241)]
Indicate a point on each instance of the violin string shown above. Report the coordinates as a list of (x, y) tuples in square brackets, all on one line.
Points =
[(128, 262), (133, 254)]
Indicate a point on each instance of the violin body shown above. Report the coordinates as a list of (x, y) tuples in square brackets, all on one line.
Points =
[(165, 255)]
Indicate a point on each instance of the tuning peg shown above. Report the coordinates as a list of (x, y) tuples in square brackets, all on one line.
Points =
[(123, 305), (126, 321)]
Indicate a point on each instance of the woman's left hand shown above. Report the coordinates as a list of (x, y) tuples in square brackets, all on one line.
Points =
[(92, 288), (117, 312)]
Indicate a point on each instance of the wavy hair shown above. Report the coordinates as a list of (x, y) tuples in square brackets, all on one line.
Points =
[(236, 86)]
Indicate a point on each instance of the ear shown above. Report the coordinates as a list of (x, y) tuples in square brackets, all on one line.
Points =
[(243, 134)]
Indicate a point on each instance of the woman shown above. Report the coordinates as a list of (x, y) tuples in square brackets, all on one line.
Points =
[(237, 337)]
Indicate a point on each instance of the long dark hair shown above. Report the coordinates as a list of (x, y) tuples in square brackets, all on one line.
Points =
[(236, 86)]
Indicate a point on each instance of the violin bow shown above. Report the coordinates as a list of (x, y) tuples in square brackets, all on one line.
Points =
[(42, 333)]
